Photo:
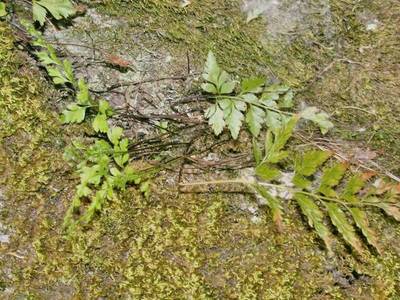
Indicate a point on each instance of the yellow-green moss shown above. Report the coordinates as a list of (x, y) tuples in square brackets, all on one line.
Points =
[(352, 74), (174, 246)]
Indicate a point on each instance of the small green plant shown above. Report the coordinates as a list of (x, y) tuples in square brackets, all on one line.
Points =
[(334, 193), (62, 73), (103, 169), (58, 9), (257, 103), (3, 11)]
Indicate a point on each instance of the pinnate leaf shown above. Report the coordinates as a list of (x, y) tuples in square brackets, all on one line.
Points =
[(73, 114), (361, 220), (331, 178), (255, 118), (58, 9), (318, 117), (315, 218), (273, 204), (308, 164), (114, 134), (267, 172), (215, 116), (339, 219), (100, 123), (252, 85)]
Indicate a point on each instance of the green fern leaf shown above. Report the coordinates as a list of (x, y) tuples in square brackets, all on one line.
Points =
[(287, 100), (225, 85), (361, 220), (105, 108), (257, 152), (233, 115), (273, 204), (339, 219), (83, 96), (301, 181), (252, 85), (315, 218), (218, 81), (255, 118), (69, 72), (353, 186), (73, 114), (56, 75), (44, 58), (308, 164), (267, 172), (39, 13), (114, 135), (100, 123), (211, 70), (318, 117), (331, 178), (284, 133), (58, 9), (273, 150), (215, 116), (273, 120)]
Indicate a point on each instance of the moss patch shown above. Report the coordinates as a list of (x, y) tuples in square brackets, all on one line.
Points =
[(352, 73), (176, 245)]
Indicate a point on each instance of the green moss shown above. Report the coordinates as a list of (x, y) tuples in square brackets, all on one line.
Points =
[(179, 245), (352, 73), (194, 30)]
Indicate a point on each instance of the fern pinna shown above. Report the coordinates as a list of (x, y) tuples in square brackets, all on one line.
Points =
[(323, 188)]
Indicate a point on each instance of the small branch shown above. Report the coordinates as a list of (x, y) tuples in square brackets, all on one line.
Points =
[(132, 83)]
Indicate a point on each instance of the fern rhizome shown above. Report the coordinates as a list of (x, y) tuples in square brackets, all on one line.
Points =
[(323, 188)]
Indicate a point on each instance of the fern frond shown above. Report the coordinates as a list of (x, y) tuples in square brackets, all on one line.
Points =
[(391, 209), (353, 187), (315, 218), (308, 164), (273, 204), (339, 219), (276, 141), (361, 220), (331, 178), (267, 172)]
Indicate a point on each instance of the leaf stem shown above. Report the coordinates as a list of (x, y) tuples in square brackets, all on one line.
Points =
[(250, 183), (256, 104)]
